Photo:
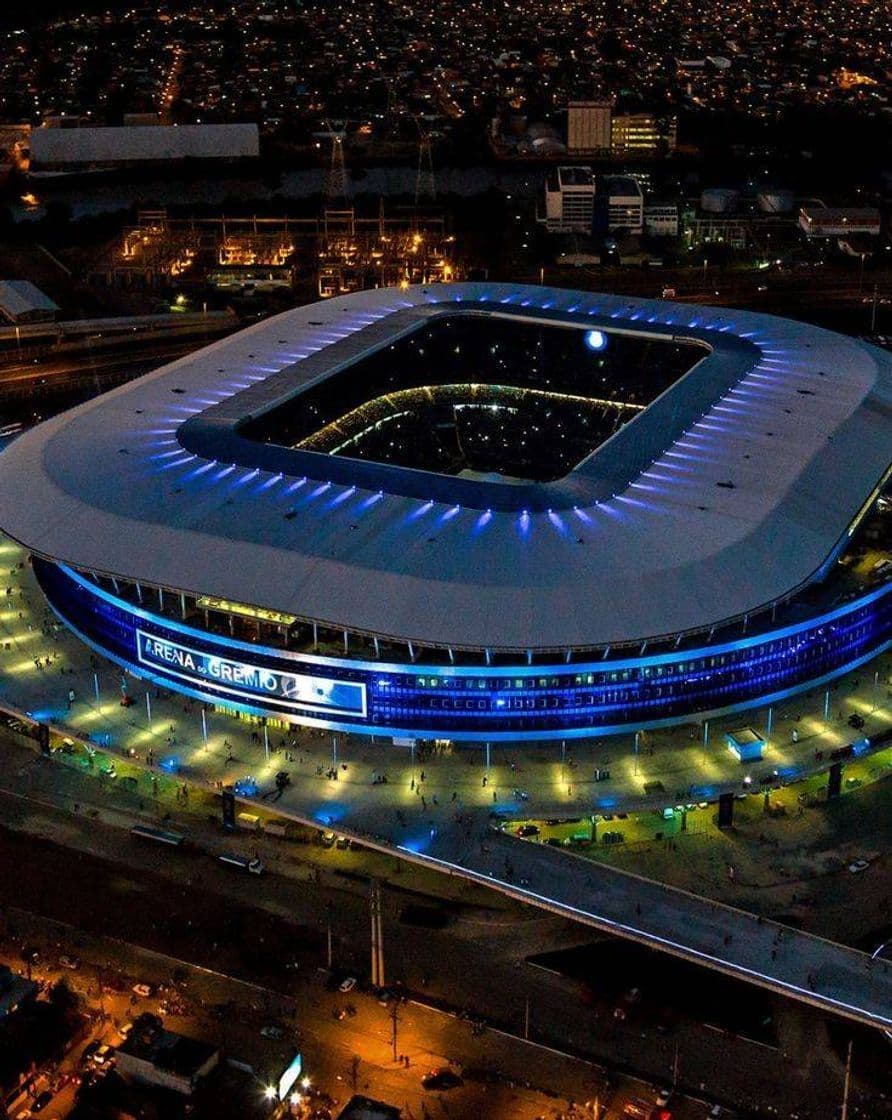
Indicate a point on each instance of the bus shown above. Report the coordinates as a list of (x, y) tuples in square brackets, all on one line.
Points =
[(253, 866), (158, 836)]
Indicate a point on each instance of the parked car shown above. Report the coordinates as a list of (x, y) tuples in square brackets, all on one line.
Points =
[(143, 990), (71, 963), (443, 1078), (858, 865), (347, 984), (89, 1050), (271, 1031), (104, 1054)]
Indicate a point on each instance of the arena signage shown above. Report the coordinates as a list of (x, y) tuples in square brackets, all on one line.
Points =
[(241, 679)]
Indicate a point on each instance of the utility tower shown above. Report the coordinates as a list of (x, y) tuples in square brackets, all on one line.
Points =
[(336, 177), (425, 183)]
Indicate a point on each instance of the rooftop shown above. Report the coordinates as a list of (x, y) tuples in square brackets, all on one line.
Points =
[(166, 1050), (21, 297)]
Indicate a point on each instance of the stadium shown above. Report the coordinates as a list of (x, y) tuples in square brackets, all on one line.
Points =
[(476, 512)]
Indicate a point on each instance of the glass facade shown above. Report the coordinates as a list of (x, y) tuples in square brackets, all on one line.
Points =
[(518, 702)]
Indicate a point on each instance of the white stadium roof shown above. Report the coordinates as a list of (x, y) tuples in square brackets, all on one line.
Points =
[(732, 489)]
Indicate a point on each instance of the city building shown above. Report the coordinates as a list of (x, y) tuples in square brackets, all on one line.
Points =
[(15, 990), (23, 302), (661, 219), (155, 1056), (365, 1108), (643, 134), (830, 221), (422, 515), (621, 205), (569, 200), (588, 127)]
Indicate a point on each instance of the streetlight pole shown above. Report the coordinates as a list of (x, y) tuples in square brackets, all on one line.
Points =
[(845, 1087), (376, 908), (394, 1020)]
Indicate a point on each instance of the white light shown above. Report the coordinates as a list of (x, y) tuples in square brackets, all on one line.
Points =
[(595, 340)]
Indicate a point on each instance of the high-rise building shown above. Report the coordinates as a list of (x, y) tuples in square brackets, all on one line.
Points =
[(623, 200), (643, 134), (569, 200), (588, 126)]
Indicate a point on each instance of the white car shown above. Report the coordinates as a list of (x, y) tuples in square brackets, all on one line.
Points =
[(859, 865), (347, 985)]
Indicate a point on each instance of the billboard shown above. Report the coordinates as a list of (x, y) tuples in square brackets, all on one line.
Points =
[(289, 1078), (296, 691)]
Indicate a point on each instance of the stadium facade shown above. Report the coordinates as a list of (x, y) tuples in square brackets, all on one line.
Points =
[(621, 514)]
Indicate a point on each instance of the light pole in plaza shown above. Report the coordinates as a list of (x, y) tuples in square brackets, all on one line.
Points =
[(329, 955), (376, 908)]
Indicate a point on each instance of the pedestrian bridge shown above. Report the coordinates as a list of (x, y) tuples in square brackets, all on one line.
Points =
[(801, 966)]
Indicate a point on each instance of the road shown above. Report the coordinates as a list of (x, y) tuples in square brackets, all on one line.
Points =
[(59, 373), (307, 1007), (475, 942)]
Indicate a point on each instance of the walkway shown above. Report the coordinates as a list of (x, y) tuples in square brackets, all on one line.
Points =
[(437, 809)]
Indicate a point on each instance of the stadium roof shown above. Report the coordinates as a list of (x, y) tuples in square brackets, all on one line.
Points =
[(735, 487)]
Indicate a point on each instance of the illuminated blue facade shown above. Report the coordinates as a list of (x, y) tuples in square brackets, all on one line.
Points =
[(518, 702)]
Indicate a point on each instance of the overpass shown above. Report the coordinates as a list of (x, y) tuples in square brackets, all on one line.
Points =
[(824, 974)]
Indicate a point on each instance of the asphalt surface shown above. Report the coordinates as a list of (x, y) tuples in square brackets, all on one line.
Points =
[(475, 963)]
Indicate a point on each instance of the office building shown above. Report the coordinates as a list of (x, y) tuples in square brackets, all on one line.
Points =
[(588, 127)]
